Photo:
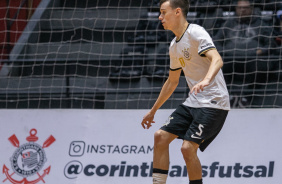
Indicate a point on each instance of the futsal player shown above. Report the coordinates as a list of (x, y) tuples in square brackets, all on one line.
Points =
[(200, 118)]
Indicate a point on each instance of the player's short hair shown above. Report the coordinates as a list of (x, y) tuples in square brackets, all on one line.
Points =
[(183, 4)]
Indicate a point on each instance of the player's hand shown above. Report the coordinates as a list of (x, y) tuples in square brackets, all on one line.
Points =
[(148, 120), (200, 86)]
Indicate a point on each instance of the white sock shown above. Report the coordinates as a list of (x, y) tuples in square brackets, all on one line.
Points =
[(159, 178)]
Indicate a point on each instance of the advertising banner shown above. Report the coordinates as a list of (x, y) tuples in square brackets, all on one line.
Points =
[(111, 147)]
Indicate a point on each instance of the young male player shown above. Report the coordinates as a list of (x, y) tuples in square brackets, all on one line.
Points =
[(200, 118)]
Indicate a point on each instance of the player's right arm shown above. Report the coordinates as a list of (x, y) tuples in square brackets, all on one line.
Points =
[(167, 90)]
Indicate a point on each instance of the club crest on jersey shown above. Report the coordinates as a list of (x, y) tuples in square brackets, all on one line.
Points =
[(186, 53), (28, 160)]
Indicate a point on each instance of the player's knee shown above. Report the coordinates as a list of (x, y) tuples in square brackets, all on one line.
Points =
[(160, 138), (188, 151)]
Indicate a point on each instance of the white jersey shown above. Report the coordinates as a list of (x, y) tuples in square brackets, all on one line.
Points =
[(188, 54)]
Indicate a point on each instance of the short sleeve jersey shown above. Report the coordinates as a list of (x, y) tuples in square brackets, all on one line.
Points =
[(188, 54)]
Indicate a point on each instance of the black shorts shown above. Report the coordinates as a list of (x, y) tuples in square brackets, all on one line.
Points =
[(200, 125)]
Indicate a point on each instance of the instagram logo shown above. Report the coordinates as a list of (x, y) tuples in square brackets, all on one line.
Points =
[(77, 148)]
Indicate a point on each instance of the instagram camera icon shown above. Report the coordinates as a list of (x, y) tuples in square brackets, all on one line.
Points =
[(77, 148)]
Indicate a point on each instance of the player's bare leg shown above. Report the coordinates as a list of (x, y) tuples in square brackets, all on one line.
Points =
[(162, 139), (193, 164)]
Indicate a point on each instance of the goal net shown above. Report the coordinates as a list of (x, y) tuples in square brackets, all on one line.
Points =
[(113, 54)]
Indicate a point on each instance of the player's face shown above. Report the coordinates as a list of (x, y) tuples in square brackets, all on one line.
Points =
[(167, 15)]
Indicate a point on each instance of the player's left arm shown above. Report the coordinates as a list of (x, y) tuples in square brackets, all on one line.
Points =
[(216, 64)]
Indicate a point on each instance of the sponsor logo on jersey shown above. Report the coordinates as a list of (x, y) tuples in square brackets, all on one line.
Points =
[(214, 102), (205, 46)]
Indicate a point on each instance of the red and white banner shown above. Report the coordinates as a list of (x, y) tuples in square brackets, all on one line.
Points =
[(110, 146)]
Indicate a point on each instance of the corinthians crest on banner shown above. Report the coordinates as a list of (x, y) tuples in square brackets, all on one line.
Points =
[(28, 160)]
